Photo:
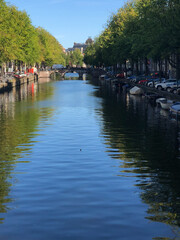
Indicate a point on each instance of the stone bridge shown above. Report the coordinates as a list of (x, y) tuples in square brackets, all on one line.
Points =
[(95, 72), (62, 72), (80, 71)]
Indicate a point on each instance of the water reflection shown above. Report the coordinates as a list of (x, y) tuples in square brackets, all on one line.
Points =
[(100, 163), (147, 143), (18, 126), (72, 76)]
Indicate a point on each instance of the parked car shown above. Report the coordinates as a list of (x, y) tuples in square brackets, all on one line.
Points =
[(152, 82), (138, 78), (143, 81), (176, 90), (157, 75), (120, 75), (162, 86), (20, 74), (131, 77), (171, 86)]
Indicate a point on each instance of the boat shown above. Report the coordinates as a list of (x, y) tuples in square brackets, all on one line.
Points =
[(105, 78), (102, 77), (159, 99), (166, 104), (151, 96), (136, 91), (175, 108)]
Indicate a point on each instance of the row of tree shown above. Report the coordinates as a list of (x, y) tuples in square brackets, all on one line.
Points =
[(141, 30), (74, 58), (21, 42)]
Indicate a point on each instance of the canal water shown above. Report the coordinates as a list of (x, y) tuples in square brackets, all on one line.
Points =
[(81, 162)]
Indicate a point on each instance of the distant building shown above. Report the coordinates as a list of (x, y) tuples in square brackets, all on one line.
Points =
[(70, 50), (81, 46), (89, 41)]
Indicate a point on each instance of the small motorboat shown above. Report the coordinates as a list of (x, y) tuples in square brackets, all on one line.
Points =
[(159, 99), (166, 104), (102, 77), (151, 96), (136, 91), (175, 108)]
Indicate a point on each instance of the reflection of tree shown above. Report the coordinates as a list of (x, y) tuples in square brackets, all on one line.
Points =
[(18, 124), (147, 145)]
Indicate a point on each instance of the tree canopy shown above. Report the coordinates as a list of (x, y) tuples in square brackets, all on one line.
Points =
[(21, 41), (74, 58), (141, 29)]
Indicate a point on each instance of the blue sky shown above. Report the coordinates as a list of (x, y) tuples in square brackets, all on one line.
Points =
[(70, 20)]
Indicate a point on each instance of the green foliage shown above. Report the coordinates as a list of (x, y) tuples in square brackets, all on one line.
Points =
[(7, 47), (140, 29), (74, 58), (21, 41), (51, 51)]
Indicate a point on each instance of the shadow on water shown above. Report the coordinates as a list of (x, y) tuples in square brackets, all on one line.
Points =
[(70, 76), (19, 123), (139, 138), (146, 142)]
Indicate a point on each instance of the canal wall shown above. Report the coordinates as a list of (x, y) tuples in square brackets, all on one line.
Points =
[(162, 93), (146, 89), (44, 74), (16, 82)]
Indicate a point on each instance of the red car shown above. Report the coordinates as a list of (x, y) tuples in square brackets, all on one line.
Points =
[(143, 81), (120, 75), (20, 75)]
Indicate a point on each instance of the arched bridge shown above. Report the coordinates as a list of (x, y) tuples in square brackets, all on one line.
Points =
[(80, 71), (62, 72)]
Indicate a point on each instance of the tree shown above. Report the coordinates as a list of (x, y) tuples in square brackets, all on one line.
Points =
[(74, 58), (8, 43), (140, 30), (51, 51), (22, 42)]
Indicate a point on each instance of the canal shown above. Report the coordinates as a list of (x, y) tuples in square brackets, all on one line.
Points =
[(80, 162)]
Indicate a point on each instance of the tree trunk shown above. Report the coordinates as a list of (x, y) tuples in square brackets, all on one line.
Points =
[(20, 66), (132, 67), (115, 68), (125, 69), (166, 69), (160, 69), (4, 69), (146, 66), (137, 68), (174, 61), (141, 66), (178, 66), (16, 65)]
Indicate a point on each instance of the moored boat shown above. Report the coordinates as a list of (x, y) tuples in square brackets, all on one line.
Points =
[(160, 99), (136, 91), (166, 104), (175, 108), (151, 96)]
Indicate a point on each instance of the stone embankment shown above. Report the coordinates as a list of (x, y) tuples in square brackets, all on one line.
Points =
[(16, 82), (162, 93), (121, 82)]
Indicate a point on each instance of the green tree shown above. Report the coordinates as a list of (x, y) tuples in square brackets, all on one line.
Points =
[(22, 42), (74, 58), (77, 57), (8, 43), (51, 51)]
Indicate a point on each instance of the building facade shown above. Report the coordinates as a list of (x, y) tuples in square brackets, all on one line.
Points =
[(81, 46)]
